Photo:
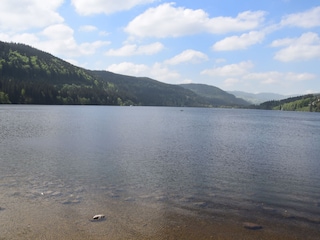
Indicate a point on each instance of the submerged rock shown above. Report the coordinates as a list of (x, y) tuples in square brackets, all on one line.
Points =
[(161, 198), (129, 199), (200, 204), (56, 194), (71, 201), (252, 226)]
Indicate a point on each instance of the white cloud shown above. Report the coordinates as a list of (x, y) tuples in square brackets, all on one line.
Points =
[(307, 19), (244, 21), (162, 73), (220, 60), (189, 55), (103, 33), (239, 42), (17, 15), (59, 31), (279, 77), (272, 81), (236, 73), (58, 40), (88, 28), (298, 77), (133, 49), (229, 82), (231, 70), (306, 47), (156, 71), (90, 48), (129, 68), (26, 38), (166, 20), (241, 77), (310, 91), (85, 7), (282, 42)]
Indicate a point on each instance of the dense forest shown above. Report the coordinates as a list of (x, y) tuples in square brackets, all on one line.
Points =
[(31, 76)]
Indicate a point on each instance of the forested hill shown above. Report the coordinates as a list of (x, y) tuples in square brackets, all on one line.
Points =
[(148, 92), (28, 75), (309, 103)]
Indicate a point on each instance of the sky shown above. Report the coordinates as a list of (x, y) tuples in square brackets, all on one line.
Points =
[(249, 45)]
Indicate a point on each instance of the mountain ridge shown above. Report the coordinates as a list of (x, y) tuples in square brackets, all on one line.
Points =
[(29, 75), (258, 98)]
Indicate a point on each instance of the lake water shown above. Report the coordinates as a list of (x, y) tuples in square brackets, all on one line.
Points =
[(75, 161)]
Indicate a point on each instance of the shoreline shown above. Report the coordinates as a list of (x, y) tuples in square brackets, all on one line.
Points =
[(46, 219)]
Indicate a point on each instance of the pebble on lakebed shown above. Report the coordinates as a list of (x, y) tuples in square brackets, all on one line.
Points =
[(252, 226), (98, 217)]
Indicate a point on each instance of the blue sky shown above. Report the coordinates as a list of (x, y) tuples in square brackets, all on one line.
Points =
[(249, 45)]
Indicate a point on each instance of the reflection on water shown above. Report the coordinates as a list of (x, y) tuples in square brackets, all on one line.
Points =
[(240, 162)]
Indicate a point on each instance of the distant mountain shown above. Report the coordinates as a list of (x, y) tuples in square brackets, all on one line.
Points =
[(148, 92), (258, 97), (215, 96), (31, 76)]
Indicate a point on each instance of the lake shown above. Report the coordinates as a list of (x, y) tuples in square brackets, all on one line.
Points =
[(157, 172)]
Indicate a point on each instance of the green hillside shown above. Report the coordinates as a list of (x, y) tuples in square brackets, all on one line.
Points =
[(31, 76), (310, 103)]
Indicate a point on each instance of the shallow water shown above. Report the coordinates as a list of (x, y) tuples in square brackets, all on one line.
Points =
[(76, 161)]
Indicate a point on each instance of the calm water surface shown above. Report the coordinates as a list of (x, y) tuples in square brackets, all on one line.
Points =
[(211, 161)]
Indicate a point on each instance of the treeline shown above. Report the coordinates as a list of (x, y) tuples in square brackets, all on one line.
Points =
[(13, 91), (309, 102), (21, 92)]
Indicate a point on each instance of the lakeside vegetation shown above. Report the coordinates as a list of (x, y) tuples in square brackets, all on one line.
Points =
[(31, 76)]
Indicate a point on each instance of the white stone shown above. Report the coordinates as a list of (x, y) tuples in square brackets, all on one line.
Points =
[(98, 217)]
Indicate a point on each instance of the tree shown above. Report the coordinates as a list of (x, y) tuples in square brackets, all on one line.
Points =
[(4, 98)]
